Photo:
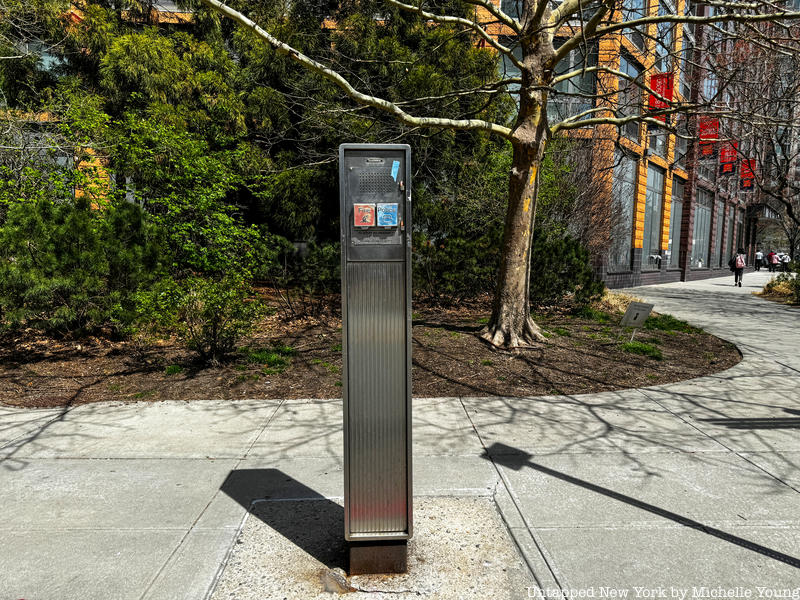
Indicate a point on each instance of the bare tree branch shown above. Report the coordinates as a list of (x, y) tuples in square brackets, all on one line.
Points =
[(497, 13), (458, 21), (585, 33), (698, 20), (349, 90)]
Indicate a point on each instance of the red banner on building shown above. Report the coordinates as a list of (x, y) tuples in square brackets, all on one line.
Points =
[(747, 173), (727, 158), (708, 131), (661, 84)]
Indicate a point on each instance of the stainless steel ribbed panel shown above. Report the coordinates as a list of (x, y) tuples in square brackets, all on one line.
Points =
[(375, 210), (377, 397)]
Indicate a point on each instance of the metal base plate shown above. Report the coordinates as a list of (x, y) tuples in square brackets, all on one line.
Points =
[(373, 558)]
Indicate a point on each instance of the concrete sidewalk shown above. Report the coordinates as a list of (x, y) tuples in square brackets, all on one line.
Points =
[(690, 485)]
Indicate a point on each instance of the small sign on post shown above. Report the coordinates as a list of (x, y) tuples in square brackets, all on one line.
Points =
[(636, 315)]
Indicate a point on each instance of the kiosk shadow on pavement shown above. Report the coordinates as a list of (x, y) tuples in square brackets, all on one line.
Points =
[(307, 519), (517, 459), (759, 423)]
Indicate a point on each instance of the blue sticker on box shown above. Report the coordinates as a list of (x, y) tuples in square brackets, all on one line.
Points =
[(395, 169), (387, 215)]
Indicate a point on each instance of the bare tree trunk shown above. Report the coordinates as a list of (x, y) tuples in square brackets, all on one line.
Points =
[(511, 325)]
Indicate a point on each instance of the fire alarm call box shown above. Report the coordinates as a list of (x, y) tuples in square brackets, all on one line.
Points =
[(364, 215)]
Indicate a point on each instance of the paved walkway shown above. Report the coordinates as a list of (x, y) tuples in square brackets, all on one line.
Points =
[(682, 486)]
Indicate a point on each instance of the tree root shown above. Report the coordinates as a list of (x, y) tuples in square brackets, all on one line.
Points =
[(504, 337)]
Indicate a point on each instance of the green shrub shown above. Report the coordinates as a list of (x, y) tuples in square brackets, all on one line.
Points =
[(69, 268), (642, 348), (561, 267), (305, 276), (209, 316), (454, 268)]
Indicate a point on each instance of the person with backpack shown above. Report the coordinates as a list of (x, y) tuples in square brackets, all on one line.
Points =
[(772, 260), (738, 263)]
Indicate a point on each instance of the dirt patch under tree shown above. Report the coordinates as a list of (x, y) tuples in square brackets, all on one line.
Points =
[(585, 352)]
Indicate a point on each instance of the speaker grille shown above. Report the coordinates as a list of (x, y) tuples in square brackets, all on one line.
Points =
[(375, 182)]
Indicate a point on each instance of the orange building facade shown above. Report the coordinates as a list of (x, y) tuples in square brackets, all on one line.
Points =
[(667, 214)]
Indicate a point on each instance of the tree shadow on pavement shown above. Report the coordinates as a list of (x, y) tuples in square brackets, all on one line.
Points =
[(304, 517), (517, 459)]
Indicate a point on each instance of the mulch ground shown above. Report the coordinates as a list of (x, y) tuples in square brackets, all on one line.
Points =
[(303, 360)]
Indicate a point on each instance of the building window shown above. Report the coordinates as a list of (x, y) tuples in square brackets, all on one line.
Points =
[(687, 53), (686, 68), (702, 229), (681, 141), (574, 95), (665, 39), (623, 194), (707, 169), (635, 9), (740, 228), (710, 85), (630, 96), (507, 68), (511, 7), (658, 141), (729, 237), (675, 215), (716, 258), (654, 200), (167, 6)]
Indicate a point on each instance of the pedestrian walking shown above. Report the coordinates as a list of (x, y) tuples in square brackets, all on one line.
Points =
[(737, 265), (772, 261), (759, 259), (785, 263)]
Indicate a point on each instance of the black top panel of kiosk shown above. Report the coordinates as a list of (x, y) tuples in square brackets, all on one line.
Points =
[(374, 203)]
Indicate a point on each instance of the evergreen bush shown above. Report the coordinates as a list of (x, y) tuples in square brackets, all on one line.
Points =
[(561, 267), (305, 275), (455, 268), (70, 268)]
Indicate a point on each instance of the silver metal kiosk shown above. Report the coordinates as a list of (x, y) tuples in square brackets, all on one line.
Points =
[(375, 205)]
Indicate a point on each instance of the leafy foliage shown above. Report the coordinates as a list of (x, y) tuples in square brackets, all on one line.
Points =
[(785, 285), (226, 153), (305, 276), (209, 316), (186, 189), (457, 267)]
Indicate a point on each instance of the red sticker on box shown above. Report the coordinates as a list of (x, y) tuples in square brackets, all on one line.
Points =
[(364, 215)]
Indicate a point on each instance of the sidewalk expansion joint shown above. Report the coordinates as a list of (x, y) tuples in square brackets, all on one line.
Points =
[(191, 528), (691, 424), (538, 543)]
